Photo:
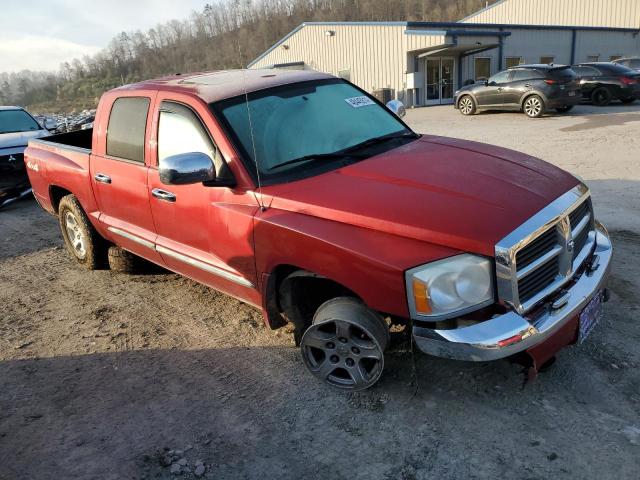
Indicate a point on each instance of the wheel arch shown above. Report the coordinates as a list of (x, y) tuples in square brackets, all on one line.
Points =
[(292, 294), (530, 94), (56, 193)]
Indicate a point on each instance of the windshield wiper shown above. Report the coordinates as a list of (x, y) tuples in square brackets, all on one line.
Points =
[(347, 152), (317, 156), (381, 139)]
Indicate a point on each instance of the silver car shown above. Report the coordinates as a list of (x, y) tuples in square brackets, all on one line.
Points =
[(17, 127)]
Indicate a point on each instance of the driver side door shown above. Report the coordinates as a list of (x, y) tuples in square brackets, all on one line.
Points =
[(205, 231), (493, 93)]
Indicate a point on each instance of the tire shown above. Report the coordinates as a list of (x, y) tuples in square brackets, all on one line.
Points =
[(565, 109), (83, 242), (122, 261), (627, 100), (467, 105), (601, 97), (533, 106), (344, 347)]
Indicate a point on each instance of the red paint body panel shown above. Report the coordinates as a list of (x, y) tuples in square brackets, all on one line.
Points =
[(362, 225)]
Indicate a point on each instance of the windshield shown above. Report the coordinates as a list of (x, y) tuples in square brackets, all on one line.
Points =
[(303, 120), (17, 121)]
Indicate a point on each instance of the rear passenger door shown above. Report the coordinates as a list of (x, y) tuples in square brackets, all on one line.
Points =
[(520, 83), (119, 174)]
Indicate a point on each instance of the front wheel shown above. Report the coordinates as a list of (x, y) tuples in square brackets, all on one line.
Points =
[(467, 105), (81, 239), (627, 100), (601, 97), (533, 106), (344, 347), (564, 109)]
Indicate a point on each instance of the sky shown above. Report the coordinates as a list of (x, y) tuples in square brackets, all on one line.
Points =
[(41, 34)]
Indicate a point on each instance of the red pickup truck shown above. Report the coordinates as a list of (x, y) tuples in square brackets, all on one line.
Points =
[(302, 195)]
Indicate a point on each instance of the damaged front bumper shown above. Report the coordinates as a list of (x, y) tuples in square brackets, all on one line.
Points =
[(511, 333)]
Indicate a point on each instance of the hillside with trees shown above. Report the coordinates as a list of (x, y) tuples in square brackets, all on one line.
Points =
[(225, 34)]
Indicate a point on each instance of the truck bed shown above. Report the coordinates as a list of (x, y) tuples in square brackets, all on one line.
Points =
[(79, 139), (59, 164)]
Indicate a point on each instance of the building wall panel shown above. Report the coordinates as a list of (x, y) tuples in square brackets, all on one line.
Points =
[(587, 13)]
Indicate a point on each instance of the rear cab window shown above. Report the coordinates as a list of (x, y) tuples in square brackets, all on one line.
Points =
[(127, 128)]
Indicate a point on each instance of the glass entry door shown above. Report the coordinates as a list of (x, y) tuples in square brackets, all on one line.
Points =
[(440, 75)]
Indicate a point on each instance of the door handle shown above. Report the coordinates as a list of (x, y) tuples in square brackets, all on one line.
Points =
[(163, 195), (500, 89), (102, 178), (528, 85)]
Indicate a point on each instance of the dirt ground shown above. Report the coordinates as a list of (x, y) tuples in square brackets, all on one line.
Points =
[(102, 374)]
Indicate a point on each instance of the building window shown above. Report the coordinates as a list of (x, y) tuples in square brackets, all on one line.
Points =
[(513, 61), (547, 60), (614, 57), (593, 58), (345, 74), (482, 68)]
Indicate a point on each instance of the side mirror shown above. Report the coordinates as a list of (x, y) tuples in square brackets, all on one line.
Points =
[(187, 169), (486, 83), (397, 107)]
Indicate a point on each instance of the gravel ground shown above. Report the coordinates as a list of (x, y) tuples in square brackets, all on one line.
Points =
[(109, 376)]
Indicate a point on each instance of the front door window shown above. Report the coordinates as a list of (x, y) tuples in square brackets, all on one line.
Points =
[(440, 80)]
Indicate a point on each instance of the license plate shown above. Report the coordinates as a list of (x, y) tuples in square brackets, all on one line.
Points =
[(590, 316), (572, 94)]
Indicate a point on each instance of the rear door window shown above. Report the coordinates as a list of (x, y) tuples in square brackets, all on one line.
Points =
[(521, 75), (586, 71), (127, 127)]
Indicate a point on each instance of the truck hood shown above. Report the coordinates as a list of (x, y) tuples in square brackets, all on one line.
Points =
[(20, 139), (460, 194)]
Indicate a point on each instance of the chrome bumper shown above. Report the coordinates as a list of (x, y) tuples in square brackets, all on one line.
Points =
[(486, 340)]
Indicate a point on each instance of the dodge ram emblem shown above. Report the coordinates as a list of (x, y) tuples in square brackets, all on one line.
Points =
[(570, 246)]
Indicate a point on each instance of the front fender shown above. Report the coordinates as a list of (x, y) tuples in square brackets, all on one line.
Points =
[(369, 263)]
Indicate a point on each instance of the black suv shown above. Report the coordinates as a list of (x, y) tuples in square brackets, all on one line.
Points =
[(602, 82), (533, 89)]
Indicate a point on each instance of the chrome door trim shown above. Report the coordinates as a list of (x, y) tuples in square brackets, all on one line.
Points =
[(205, 266), (132, 237), (232, 277)]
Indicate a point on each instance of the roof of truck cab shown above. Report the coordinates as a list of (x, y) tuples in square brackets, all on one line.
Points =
[(9, 107), (215, 86)]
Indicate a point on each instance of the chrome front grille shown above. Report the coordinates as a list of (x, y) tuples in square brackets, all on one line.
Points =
[(543, 253)]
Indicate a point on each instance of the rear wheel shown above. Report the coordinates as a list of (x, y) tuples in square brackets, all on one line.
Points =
[(533, 106), (344, 346), (81, 239), (564, 109), (628, 100), (467, 105), (601, 97)]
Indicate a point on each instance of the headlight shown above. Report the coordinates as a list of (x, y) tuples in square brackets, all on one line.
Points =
[(450, 287)]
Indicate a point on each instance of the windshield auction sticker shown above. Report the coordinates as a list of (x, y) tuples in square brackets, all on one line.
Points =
[(357, 102)]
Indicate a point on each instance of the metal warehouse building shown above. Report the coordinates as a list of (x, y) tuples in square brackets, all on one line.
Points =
[(423, 63)]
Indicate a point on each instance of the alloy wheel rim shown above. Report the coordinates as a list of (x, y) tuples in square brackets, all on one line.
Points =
[(75, 235), (343, 354), (532, 107), (465, 105)]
